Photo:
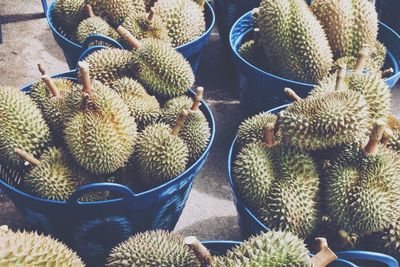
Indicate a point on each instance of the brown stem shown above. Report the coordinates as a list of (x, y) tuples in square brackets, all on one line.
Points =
[(89, 11), (375, 137), (127, 36), (325, 254), (51, 86), (150, 16), (256, 36), (27, 157), (341, 75), (292, 94), (201, 251), (41, 69), (269, 134), (180, 121), (362, 58), (85, 74), (321, 243), (388, 72), (197, 98)]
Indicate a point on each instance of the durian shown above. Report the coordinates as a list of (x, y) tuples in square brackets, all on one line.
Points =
[(293, 40), (184, 19), (252, 52), (100, 134), (252, 129), (32, 249), (161, 69), (153, 248), (22, 126), (68, 13), (389, 240)]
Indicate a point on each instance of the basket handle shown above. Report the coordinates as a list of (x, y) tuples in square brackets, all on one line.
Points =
[(103, 38), (368, 255), (125, 192), (45, 6)]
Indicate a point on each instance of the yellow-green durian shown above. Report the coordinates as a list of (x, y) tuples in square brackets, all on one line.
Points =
[(68, 13), (252, 129)]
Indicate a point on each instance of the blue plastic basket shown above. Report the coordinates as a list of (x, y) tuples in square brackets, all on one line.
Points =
[(93, 228), (261, 90), (191, 51)]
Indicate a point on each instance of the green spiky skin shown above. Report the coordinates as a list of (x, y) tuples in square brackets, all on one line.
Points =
[(68, 13), (95, 25), (143, 107), (173, 107), (390, 240), (153, 248), (56, 178), (353, 24), (394, 141), (325, 121), (100, 134), (184, 19), (271, 249), (294, 42), (22, 126), (162, 70), (362, 191), (160, 156), (251, 129), (107, 65), (31, 249), (253, 54)]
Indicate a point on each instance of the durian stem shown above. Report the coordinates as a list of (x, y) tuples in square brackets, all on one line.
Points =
[(387, 134), (180, 121), (89, 11), (325, 254), (150, 16), (292, 94), (362, 58), (341, 75), (27, 157), (375, 137), (197, 98), (269, 134), (85, 74), (388, 72), (201, 251), (127, 36), (51, 86), (256, 36), (41, 69)]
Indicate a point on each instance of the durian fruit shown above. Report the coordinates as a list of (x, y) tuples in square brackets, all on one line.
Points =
[(153, 248), (100, 134), (143, 107), (362, 187), (55, 176), (22, 126), (160, 153), (32, 249), (161, 69), (348, 24), (293, 40), (184, 19), (252, 129), (108, 65), (68, 13), (252, 52), (389, 240)]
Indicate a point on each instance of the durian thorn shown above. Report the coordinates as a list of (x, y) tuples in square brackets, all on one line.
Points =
[(150, 16), (85, 74), (127, 36), (341, 75), (323, 257), (362, 58), (4, 228), (255, 11), (51, 86), (201, 3), (292, 94), (388, 72), (27, 157), (256, 36), (180, 121), (197, 98), (269, 134), (41, 69), (89, 11), (387, 134), (199, 249), (375, 137)]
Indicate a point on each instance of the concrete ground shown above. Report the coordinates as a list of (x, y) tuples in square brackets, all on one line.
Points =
[(210, 212)]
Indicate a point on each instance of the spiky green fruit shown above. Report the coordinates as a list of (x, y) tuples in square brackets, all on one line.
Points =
[(107, 65), (294, 42), (271, 249), (143, 107), (389, 240), (253, 54), (153, 248), (184, 19), (95, 25), (251, 129), (22, 126), (394, 141), (31, 249), (325, 121), (68, 13), (349, 24), (362, 190), (162, 70), (160, 155), (174, 106)]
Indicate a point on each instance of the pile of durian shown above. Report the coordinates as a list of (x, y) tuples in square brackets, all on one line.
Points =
[(175, 22), (306, 43), (128, 120), (328, 164)]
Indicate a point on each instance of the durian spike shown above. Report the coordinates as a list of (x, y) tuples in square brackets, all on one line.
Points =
[(201, 3), (50, 85), (387, 134), (84, 71), (27, 157), (255, 11), (201, 251), (180, 121), (150, 16), (341, 75), (256, 36), (127, 36), (197, 98), (89, 11), (41, 69), (362, 58), (269, 134), (375, 137), (325, 254), (388, 72), (292, 94)]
